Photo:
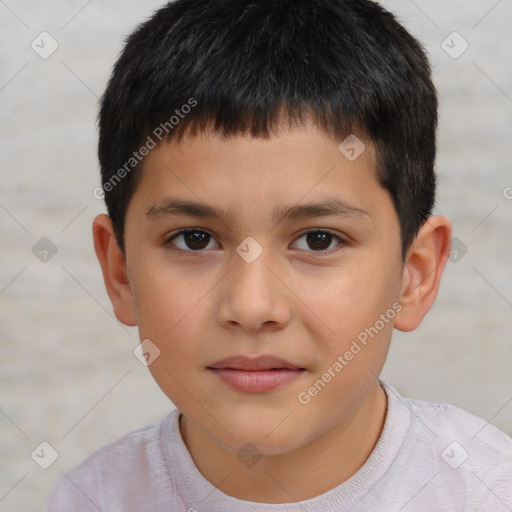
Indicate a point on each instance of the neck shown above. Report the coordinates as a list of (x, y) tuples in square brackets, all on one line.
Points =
[(332, 458)]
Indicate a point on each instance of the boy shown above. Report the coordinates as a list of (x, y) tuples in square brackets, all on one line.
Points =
[(237, 138)]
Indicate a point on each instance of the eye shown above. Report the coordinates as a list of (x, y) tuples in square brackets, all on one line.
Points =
[(191, 240), (197, 240), (318, 241)]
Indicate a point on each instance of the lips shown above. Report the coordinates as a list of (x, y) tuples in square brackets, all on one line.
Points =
[(255, 375), (254, 364)]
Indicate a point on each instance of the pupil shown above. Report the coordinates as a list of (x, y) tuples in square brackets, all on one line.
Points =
[(319, 240), (196, 239)]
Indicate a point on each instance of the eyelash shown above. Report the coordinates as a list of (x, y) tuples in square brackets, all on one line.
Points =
[(168, 241)]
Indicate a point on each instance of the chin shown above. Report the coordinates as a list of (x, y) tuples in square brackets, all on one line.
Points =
[(242, 446), (249, 438)]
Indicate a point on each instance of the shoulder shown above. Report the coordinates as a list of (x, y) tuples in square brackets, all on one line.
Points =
[(460, 451), (449, 422), (112, 473)]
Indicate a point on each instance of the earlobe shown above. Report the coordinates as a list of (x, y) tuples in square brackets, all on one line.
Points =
[(113, 267), (424, 265)]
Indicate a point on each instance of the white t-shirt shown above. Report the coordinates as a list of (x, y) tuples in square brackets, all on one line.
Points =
[(429, 457)]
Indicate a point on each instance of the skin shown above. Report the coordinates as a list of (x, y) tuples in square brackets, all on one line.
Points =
[(293, 302)]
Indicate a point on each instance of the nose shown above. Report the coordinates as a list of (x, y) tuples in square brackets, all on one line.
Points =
[(252, 298)]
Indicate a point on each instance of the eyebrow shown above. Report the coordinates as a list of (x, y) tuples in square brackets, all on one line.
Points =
[(334, 206)]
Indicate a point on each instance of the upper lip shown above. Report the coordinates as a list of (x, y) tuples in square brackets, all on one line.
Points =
[(265, 362)]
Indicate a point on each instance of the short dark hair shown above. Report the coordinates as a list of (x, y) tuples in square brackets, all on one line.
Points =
[(238, 65)]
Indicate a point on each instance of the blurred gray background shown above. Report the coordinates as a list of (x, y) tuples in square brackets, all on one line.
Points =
[(68, 373)]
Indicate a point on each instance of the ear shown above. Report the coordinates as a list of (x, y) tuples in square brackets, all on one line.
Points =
[(424, 265), (113, 266)]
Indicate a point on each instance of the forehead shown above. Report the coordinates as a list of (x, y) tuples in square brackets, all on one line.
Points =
[(229, 177), (294, 152)]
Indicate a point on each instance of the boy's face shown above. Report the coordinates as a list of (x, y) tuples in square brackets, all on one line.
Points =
[(303, 299)]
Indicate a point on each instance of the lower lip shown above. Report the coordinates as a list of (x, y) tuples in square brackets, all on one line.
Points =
[(256, 381)]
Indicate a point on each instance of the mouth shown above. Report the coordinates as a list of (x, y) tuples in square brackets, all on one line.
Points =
[(255, 375)]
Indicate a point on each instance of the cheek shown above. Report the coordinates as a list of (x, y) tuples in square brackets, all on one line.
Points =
[(350, 300), (163, 297), (174, 310), (169, 308), (359, 308)]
